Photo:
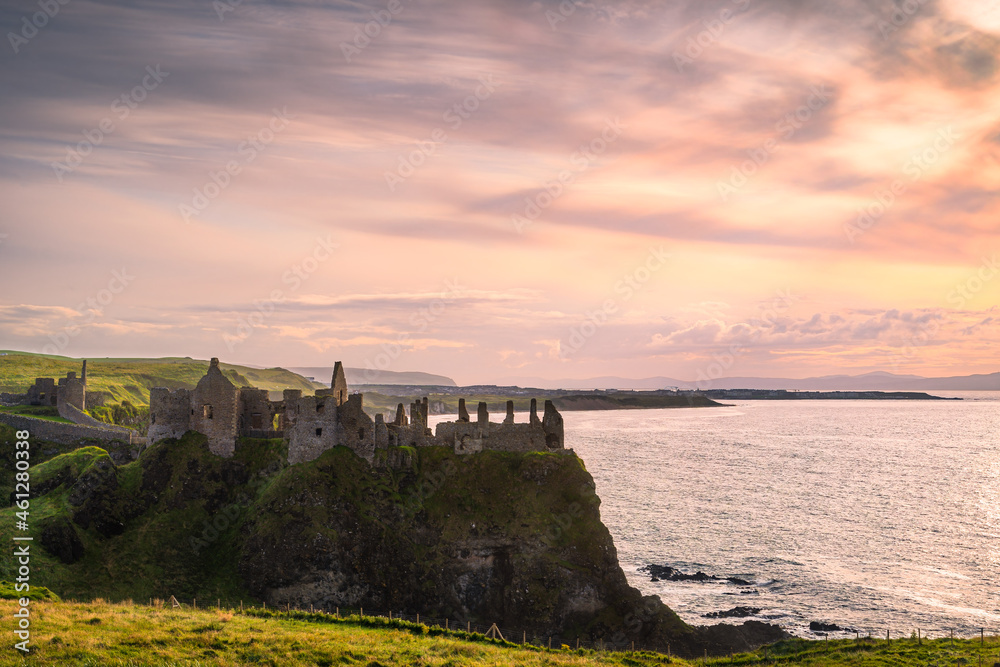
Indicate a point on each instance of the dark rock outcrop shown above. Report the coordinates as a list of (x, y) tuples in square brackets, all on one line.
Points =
[(59, 538), (816, 626), (735, 612), (667, 573)]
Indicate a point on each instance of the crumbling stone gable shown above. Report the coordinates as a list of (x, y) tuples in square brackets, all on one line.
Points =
[(339, 384), (214, 410)]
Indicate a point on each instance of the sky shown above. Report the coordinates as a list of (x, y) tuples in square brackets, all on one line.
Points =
[(503, 190)]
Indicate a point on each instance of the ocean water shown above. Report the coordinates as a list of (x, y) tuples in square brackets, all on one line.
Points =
[(869, 514)]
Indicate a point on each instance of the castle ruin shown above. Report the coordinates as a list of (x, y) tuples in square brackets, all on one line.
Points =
[(333, 417), (71, 390)]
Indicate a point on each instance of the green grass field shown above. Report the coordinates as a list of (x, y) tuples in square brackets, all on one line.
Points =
[(103, 634), (117, 380)]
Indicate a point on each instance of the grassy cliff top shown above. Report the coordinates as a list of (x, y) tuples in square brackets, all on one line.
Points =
[(131, 379), (98, 633)]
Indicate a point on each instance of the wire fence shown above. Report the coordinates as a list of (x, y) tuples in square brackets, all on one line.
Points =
[(492, 632)]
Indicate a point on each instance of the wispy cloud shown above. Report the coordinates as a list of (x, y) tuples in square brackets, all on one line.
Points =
[(893, 81)]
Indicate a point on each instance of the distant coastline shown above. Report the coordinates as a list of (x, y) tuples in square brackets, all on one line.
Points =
[(785, 395)]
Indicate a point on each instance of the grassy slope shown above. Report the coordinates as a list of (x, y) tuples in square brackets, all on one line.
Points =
[(132, 379), (98, 633), (155, 550)]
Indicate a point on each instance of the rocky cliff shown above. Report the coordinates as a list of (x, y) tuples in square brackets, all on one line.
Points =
[(510, 538)]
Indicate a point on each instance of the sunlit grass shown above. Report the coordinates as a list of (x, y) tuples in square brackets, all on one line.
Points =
[(125, 634)]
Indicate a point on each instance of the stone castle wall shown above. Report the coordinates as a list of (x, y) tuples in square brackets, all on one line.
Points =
[(72, 391), (310, 427), (169, 413)]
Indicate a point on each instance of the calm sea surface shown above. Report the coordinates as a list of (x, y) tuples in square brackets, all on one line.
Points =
[(869, 514)]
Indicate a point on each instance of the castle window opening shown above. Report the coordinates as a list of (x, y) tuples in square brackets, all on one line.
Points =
[(256, 420), (206, 411), (319, 407), (319, 432), (361, 434)]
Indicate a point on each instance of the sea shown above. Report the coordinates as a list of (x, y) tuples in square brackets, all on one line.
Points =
[(870, 515)]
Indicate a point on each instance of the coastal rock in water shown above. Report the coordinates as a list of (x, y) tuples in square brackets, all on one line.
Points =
[(667, 573), (735, 612), (816, 626)]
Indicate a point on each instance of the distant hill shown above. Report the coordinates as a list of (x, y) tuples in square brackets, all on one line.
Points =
[(120, 379), (359, 376), (877, 381)]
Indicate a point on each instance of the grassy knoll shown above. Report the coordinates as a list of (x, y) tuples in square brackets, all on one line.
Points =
[(98, 633), (125, 634), (117, 380)]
